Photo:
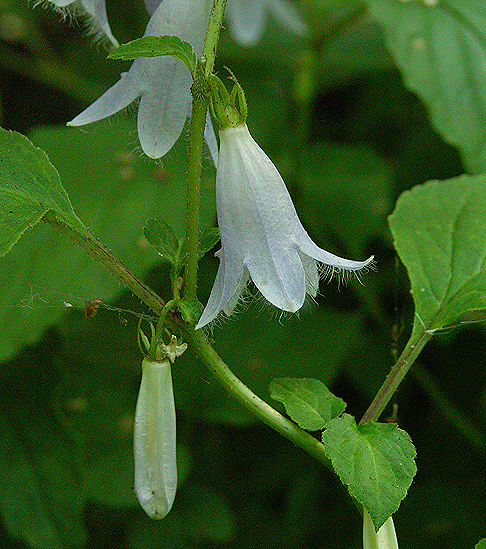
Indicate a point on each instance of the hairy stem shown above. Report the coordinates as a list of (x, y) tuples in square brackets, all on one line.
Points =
[(100, 252), (198, 120), (399, 370), (212, 34)]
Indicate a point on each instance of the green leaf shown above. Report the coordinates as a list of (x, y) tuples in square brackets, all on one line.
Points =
[(41, 497), (441, 50), (440, 235), (162, 239), (374, 461), (191, 310), (481, 544), (154, 46), (114, 192), (208, 240), (29, 187), (308, 401)]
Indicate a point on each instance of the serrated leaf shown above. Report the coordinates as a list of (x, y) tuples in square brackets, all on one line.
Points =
[(441, 49), (308, 401), (154, 46), (440, 235), (375, 461), (162, 239), (29, 187)]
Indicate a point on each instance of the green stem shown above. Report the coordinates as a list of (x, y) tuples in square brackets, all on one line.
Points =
[(212, 34), (98, 251), (206, 353), (251, 401), (399, 370), (198, 120)]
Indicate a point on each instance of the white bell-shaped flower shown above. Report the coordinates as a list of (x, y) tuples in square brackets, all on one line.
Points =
[(162, 83), (385, 538), (96, 10), (261, 234)]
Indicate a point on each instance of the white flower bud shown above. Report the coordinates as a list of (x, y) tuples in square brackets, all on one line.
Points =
[(154, 440)]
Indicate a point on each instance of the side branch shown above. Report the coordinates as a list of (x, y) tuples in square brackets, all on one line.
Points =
[(100, 252)]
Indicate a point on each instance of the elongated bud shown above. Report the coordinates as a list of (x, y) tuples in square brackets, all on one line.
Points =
[(154, 441)]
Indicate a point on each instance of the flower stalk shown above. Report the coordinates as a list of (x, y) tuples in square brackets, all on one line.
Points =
[(200, 103)]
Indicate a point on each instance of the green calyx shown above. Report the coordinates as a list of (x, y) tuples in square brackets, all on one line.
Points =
[(224, 105)]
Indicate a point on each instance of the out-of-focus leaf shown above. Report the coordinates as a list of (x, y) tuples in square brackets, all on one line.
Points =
[(375, 461), (208, 240), (347, 190), (29, 187), (440, 235), (114, 192), (481, 544), (41, 497), (441, 49), (308, 401)]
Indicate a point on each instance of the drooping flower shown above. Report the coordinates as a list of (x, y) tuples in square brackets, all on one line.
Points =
[(385, 538), (248, 18), (96, 10), (261, 234), (162, 83)]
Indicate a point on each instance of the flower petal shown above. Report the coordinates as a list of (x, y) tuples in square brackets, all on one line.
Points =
[(226, 289), (97, 10), (307, 246), (162, 82), (210, 138), (163, 109), (385, 538), (119, 96), (152, 5)]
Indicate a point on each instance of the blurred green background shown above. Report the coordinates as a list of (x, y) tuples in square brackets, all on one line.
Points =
[(68, 383)]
